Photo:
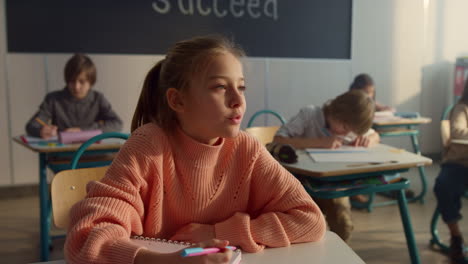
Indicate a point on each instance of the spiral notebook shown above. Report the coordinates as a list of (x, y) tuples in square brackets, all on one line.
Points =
[(169, 246)]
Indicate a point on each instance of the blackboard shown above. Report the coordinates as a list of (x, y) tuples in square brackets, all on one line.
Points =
[(264, 28)]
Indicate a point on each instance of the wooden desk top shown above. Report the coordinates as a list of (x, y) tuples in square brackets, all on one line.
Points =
[(330, 250), (106, 144), (391, 121), (401, 159)]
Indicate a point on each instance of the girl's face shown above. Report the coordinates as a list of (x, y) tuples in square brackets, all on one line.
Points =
[(214, 103), (370, 91), (80, 87)]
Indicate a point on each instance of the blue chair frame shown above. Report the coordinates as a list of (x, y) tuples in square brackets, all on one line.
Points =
[(45, 201), (265, 111)]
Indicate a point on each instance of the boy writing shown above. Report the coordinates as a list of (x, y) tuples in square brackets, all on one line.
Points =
[(76, 107)]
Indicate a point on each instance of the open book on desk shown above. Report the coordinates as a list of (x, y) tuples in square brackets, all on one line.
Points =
[(169, 246)]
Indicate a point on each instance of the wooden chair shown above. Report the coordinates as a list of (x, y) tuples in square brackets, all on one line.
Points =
[(264, 134), (67, 188)]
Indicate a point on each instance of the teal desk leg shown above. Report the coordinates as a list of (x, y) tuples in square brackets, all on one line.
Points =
[(44, 207), (422, 172), (413, 250)]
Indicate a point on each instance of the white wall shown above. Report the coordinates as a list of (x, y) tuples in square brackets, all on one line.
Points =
[(409, 50), (446, 39), (5, 172)]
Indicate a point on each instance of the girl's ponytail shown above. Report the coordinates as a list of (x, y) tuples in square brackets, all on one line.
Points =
[(146, 109)]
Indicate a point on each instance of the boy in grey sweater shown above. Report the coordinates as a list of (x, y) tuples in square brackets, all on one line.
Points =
[(76, 107)]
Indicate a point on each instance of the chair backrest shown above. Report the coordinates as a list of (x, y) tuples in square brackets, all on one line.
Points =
[(67, 188), (89, 142), (448, 109), (445, 132), (264, 134), (266, 111)]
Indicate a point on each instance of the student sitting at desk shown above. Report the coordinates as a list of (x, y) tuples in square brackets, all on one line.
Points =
[(364, 82), (348, 117), (188, 173), (76, 107), (452, 181)]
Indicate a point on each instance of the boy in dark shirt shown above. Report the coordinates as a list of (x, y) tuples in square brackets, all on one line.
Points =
[(76, 107)]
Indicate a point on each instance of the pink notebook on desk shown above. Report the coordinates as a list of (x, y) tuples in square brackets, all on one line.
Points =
[(169, 246), (77, 137)]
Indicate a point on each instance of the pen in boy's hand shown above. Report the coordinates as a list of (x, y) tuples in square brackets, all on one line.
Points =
[(40, 121), (191, 252)]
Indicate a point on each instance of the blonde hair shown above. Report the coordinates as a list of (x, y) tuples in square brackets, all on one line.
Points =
[(182, 62), (355, 109)]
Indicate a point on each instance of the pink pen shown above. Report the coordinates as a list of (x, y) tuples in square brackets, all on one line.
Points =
[(191, 252)]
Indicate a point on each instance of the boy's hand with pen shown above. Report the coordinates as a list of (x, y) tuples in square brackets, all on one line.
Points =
[(331, 142), (223, 256), (47, 131), (366, 141)]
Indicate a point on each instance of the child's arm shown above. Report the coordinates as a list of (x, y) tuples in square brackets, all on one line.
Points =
[(458, 122), (302, 143), (367, 140), (280, 211), (381, 107), (107, 120), (36, 129), (102, 223)]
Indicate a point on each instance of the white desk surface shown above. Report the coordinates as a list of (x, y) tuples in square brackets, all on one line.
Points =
[(330, 250), (401, 159), (459, 141), (395, 120)]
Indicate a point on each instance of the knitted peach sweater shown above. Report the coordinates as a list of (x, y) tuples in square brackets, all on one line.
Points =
[(159, 183)]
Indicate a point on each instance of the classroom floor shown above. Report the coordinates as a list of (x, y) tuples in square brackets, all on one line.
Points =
[(378, 236)]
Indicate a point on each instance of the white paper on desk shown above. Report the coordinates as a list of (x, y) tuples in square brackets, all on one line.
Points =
[(381, 114), (342, 149), (32, 140), (350, 157), (387, 118)]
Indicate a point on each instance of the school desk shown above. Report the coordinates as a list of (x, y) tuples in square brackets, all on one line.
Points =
[(459, 141), (46, 156), (398, 161), (331, 250), (397, 127)]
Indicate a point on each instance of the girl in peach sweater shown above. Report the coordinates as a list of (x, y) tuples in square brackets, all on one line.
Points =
[(188, 173)]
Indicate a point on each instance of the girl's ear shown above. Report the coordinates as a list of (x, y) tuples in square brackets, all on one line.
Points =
[(175, 100)]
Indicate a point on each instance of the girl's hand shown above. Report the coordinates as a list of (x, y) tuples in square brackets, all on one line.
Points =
[(48, 131), (331, 142), (194, 233), (222, 257), (146, 256)]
